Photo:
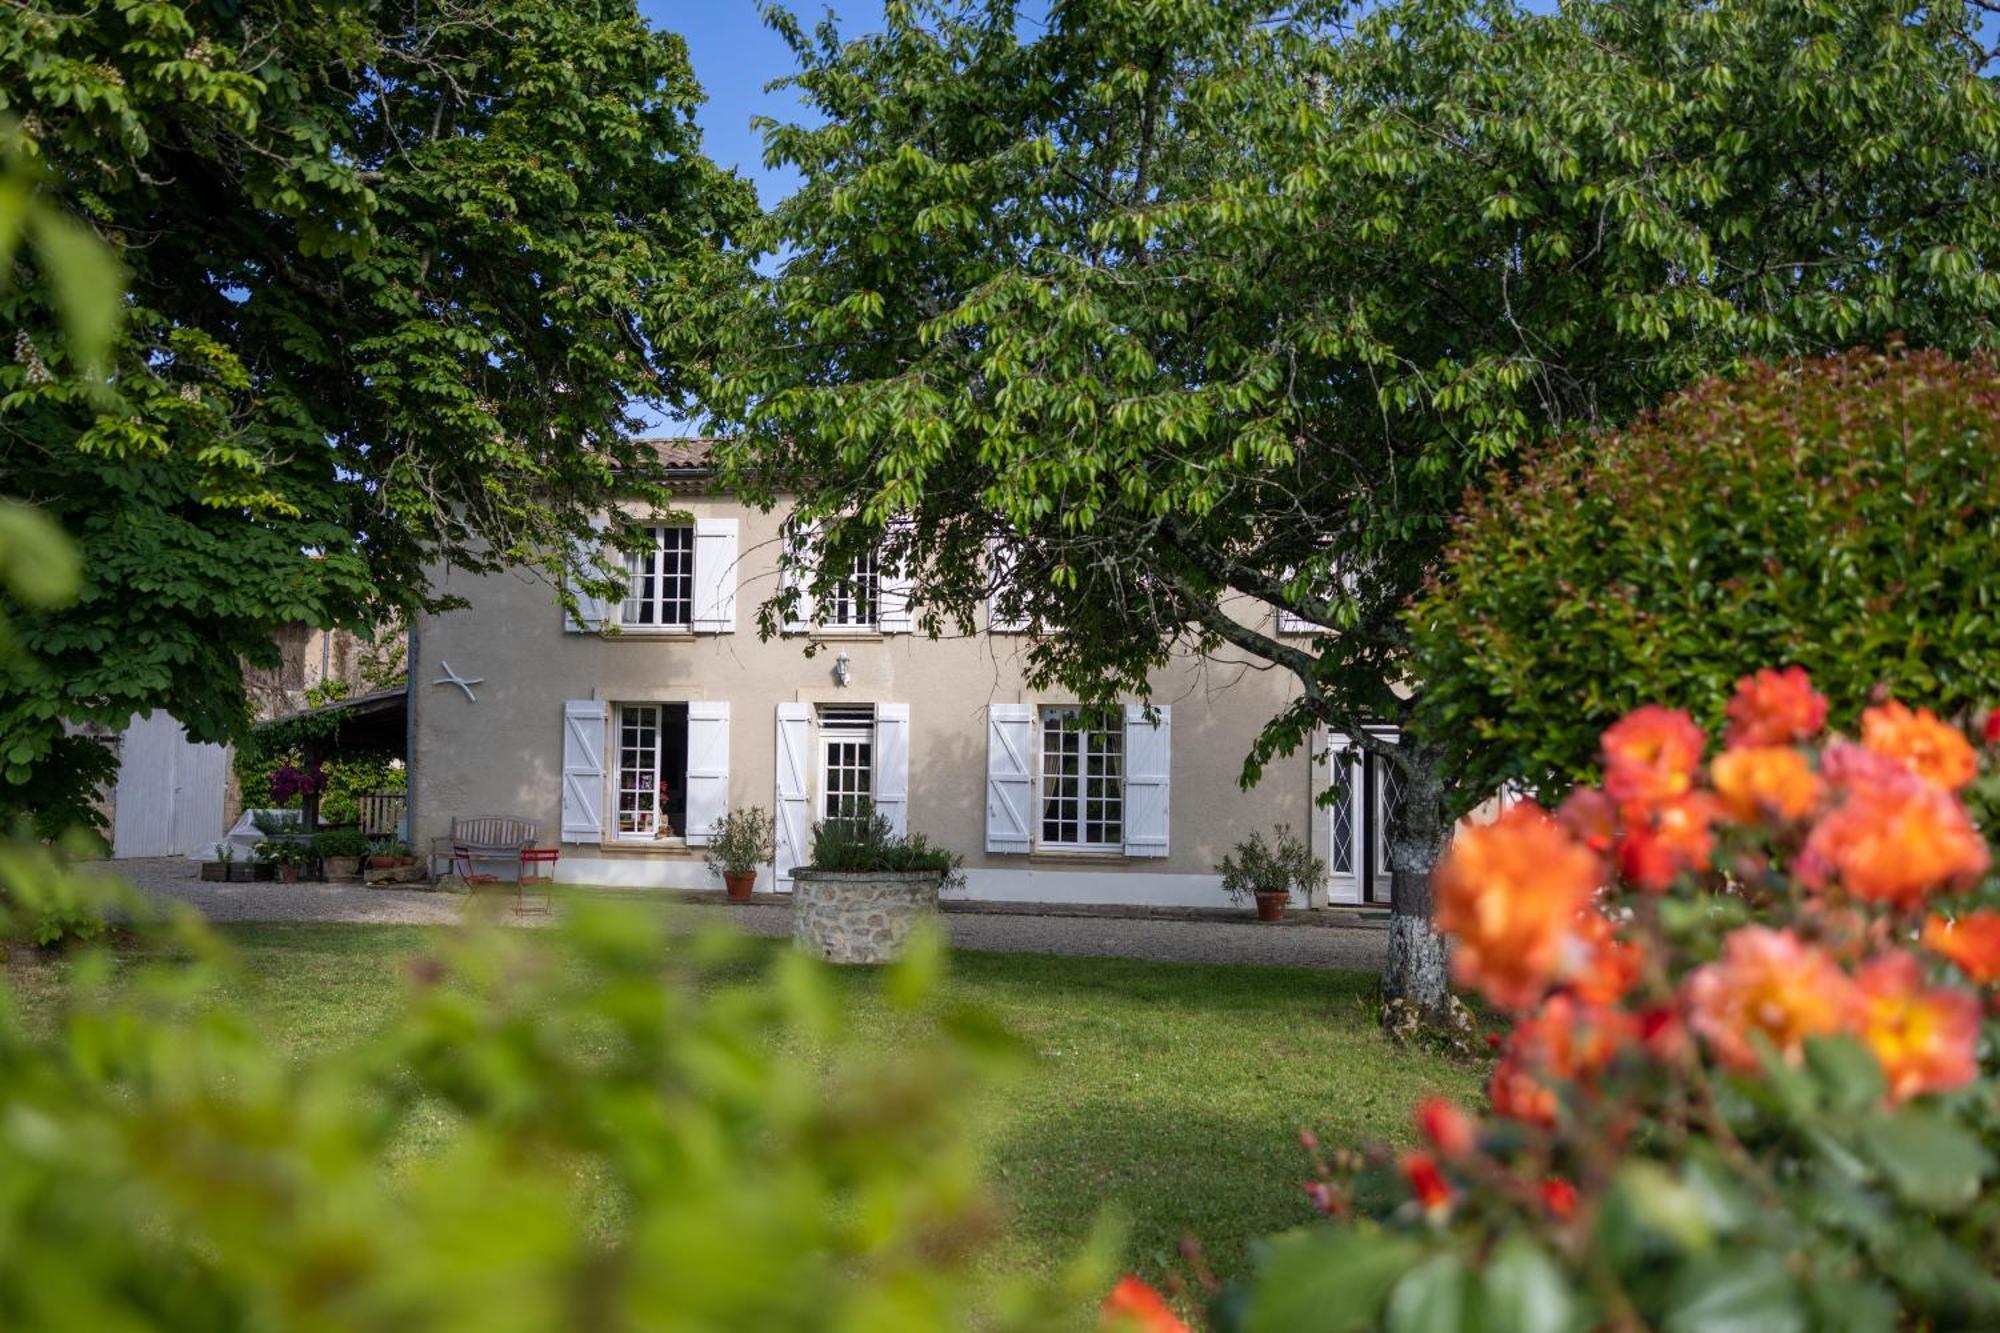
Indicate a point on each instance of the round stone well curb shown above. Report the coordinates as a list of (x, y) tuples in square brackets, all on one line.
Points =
[(860, 917)]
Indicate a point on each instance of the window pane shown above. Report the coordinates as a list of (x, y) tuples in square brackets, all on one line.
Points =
[(1083, 790), (638, 780), (661, 588)]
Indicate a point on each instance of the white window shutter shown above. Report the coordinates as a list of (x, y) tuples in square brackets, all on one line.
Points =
[(592, 614), (714, 576), (1148, 777), (892, 765), (708, 768), (583, 771), (1000, 574), (893, 616), (1010, 776), (794, 812)]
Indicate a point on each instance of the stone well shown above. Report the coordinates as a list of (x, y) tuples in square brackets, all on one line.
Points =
[(860, 918)]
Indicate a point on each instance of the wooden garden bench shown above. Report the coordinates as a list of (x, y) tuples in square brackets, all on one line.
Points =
[(484, 840)]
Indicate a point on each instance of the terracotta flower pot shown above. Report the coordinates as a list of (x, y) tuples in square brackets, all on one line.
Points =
[(290, 874), (739, 884), (1271, 906)]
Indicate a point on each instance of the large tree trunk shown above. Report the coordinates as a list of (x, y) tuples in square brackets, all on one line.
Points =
[(1413, 978)]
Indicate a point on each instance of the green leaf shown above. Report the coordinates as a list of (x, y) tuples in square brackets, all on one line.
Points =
[(1848, 1072), (1929, 1159), (1735, 1293), (89, 286), (1319, 1280), (1433, 1297), (1524, 1292)]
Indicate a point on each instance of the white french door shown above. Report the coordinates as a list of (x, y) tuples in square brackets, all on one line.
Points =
[(1366, 789)]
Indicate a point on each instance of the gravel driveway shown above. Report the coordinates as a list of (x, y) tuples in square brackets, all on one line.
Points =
[(1356, 948)]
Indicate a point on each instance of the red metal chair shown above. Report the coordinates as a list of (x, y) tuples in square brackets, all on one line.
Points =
[(538, 867)]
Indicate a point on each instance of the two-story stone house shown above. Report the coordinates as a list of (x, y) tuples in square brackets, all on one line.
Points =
[(626, 746)]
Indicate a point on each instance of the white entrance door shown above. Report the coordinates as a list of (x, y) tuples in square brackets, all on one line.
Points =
[(1357, 844), (168, 800)]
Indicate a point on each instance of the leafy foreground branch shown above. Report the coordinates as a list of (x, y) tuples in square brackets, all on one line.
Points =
[(637, 1143)]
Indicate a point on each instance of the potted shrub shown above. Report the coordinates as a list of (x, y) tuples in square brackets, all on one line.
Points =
[(340, 851), (286, 854), (741, 841), (866, 888), (1268, 872)]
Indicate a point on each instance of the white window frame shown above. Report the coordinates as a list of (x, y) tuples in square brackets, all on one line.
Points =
[(858, 732), (1111, 729), (650, 566), (855, 603), (616, 770)]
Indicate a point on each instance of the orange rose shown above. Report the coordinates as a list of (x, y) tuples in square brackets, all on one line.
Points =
[(1509, 893), (1134, 1307), (1451, 1131), (1592, 817), (1916, 738), (1433, 1192), (1607, 967), (1927, 1037), (1893, 843), (1775, 708), (1972, 942), (1559, 1197), (1566, 1041), (1769, 982), (1675, 839), (1765, 781), (1651, 755)]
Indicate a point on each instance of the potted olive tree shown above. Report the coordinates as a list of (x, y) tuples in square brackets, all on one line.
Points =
[(741, 841), (1268, 872), (866, 889)]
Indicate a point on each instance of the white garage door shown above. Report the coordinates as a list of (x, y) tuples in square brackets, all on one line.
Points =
[(170, 790)]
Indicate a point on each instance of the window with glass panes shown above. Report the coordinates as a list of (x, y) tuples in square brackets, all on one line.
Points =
[(650, 780), (855, 599), (661, 587), (847, 761), (1083, 780)]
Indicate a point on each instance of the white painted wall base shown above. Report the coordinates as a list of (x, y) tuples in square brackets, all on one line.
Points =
[(1095, 888)]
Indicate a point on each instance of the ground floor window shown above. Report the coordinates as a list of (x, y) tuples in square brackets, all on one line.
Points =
[(846, 762), (651, 776), (1083, 780)]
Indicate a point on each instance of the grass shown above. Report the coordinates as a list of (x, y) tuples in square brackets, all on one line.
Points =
[(1171, 1093)]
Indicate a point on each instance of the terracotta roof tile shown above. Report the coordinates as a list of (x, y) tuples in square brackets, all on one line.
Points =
[(678, 452)]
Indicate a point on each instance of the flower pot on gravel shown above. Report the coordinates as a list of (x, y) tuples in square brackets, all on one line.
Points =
[(215, 872), (860, 916), (1268, 872), (739, 883), (241, 872), (342, 869)]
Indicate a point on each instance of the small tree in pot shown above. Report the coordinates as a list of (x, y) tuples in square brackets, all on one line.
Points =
[(741, 841), (1268, 872)]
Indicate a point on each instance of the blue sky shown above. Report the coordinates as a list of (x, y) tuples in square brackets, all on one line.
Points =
[(734, 56)]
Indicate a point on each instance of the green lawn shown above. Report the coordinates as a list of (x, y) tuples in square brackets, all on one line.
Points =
[(1170, 1092)]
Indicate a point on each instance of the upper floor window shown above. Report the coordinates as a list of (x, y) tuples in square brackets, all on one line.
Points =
[(856, 601), (660, 591), (1083, 780)]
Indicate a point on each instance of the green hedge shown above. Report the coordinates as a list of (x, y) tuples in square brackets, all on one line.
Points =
[(1842, 514)]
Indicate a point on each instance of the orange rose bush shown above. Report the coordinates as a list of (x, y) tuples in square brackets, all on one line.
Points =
[(1747, 1072)]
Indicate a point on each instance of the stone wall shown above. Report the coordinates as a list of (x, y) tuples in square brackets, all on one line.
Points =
[(859, 918)]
